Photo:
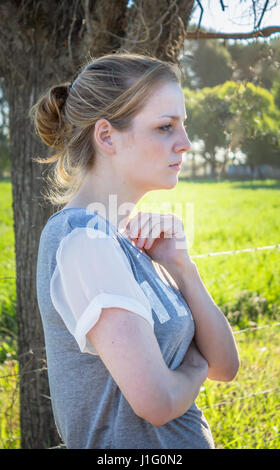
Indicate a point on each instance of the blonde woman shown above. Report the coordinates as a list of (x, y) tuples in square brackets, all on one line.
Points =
[(131, 332)]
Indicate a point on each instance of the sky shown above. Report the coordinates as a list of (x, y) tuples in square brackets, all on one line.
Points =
[(235, 18)]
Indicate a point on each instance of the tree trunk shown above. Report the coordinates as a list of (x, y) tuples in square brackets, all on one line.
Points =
[(37, 424), (193, 166), (213, 165)]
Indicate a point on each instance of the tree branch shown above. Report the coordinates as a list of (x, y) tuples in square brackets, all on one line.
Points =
[(70, 34), (201, 13), (264, 8), (265, 32)]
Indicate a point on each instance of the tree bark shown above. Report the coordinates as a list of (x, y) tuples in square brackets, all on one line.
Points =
[(213, 166), (41, 44), (193, 166), (30, 215)]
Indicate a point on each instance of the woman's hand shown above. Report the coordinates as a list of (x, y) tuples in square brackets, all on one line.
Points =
[(194, 360), (161, 236)]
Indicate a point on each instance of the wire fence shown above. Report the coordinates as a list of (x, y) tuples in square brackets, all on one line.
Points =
[(41, 369), (232, 400), (219, 253), (32, 352), (233, 252)]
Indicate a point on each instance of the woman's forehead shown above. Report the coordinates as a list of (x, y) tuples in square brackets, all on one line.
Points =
[(167, 100), (169, 109)]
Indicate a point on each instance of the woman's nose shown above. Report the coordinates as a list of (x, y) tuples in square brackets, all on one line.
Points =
[(184, 145)]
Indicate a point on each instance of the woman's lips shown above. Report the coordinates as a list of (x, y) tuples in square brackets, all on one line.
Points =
[(176, 166)]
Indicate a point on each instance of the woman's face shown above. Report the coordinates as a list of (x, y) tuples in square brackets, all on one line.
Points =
[(156, 140)]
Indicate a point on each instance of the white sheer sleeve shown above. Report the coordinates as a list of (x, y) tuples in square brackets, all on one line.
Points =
[(92, 272)]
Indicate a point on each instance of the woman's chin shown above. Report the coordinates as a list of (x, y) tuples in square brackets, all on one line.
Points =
[(169, 183), (172, 182)]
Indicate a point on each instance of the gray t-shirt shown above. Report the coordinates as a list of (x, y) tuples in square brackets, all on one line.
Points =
[(79, 272)]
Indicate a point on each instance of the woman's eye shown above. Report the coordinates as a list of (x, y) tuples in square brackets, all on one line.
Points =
[(166, 127)]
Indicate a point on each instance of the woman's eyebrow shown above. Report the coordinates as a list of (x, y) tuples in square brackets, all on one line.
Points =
[(176, 118)]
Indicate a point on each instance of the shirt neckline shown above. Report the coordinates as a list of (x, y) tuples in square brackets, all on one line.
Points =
[(114, 228)]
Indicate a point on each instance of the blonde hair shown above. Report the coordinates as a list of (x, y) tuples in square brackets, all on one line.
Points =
[(115, 87)]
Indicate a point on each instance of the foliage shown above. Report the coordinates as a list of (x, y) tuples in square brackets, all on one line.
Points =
[(276, 93), (207, 113), (9, 405), (244, 414), (210, 62), (8, 320), (255, 124), (224, 217), (256, 61), (238, 116)]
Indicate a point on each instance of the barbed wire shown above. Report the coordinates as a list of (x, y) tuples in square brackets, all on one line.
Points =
[(21, 374), (235, 332), (219, 404), (218, 253), (31, 351), (253, 328), (233, 252), (9, 277), (60, 446), (232, 400)]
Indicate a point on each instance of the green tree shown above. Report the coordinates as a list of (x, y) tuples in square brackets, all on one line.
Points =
[(210, 63), (256, 62), (262, 149), (236, 116), (208, 114), (254, 126)]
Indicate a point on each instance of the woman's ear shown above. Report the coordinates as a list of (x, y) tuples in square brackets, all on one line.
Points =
[(102, 136)]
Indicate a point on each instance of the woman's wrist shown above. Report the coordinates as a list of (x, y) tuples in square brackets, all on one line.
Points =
[(185, 383), (182, 268)]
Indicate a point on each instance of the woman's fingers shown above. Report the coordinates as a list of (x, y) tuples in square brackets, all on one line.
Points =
[(146, 226), (156, 231), (137, 223), (140, 226), (150, 232)]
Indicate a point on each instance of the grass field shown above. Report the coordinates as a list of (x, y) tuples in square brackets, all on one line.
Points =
[(217, 217)]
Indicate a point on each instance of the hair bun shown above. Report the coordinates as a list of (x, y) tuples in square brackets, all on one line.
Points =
[(48, 115)]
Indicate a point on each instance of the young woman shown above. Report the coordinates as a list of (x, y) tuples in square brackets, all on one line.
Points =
[(131, 332)]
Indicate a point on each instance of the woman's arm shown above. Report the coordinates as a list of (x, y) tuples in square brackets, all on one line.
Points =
[(159, 235), (127, 346), (213, 334)]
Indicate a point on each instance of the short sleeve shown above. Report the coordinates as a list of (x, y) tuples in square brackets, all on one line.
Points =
[(92, 272)]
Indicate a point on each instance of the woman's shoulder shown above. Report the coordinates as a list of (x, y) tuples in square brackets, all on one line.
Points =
[(70, 218), (79, 224), (65, 223), (75, 216)]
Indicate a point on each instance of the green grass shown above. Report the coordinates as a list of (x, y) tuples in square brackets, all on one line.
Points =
[(8, 325), (9, 405), (244, 414), (217, 217), (229, 216)]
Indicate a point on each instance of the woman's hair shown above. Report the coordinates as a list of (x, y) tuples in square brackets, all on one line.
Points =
[(115, 87)]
